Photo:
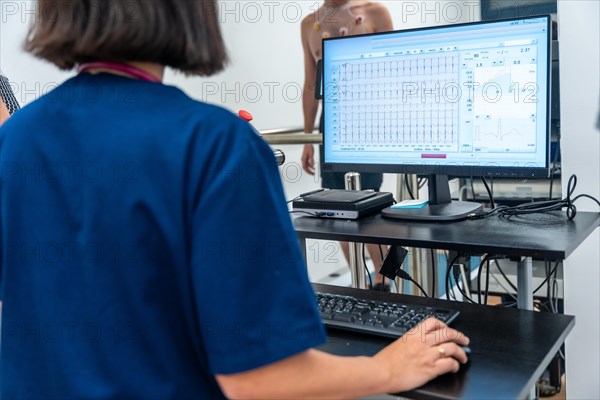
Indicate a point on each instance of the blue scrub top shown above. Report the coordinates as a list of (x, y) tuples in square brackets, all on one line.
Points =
[(146, 246)]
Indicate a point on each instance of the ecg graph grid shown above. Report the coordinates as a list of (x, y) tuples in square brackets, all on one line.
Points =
[(410, 102)]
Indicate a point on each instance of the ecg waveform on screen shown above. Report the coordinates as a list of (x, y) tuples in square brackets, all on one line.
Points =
[(400, 102), (504, 109), (498, 133), (517, 134)]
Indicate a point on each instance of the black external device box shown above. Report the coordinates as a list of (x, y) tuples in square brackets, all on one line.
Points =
[(342, 204)]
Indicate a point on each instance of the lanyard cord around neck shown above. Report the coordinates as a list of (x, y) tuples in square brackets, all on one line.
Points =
[(127, 69)]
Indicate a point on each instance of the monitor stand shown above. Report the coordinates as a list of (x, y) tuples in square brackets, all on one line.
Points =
[(440, 207)]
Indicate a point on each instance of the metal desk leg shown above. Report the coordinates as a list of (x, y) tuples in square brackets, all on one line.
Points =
[(357, 269), (303, 249), (416, 266), (525, 283), (525, 294), (357, 272), (466, 279)]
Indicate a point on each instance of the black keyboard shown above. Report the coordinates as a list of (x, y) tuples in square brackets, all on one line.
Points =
[(376, 317)]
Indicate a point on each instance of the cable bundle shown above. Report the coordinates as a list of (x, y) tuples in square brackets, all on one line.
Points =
[(542, 206)]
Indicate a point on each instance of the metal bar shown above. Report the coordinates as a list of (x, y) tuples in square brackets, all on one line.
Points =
[(359, 279), (357, 268), (525, 296), (466, 282), (434, 293), (281, 131), (399, 285), (400, 195), (400, 190), (418, 265), (525, 283), (303, 250), (414, 267), (298, 138)]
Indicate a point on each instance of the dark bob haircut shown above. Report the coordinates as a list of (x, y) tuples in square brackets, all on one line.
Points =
[(182, 34)]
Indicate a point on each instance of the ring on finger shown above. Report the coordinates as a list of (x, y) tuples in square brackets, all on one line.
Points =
[(441, 351)]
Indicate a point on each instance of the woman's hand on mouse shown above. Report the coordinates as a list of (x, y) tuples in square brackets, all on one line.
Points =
[(429, 350)]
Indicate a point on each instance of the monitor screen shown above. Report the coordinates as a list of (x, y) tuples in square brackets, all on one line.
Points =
[(466, 100)]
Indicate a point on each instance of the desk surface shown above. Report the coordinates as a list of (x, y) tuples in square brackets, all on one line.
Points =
[(546, 236), (510, 348)]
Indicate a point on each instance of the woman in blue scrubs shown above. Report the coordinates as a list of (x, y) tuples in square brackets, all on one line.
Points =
[(130, 266)]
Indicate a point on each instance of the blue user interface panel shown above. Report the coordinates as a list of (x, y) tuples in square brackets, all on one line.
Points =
[(473, 94)]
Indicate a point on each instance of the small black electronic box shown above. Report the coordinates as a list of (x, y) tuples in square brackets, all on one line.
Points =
[(342, 204)]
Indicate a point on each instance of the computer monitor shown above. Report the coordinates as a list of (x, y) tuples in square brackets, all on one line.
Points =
[(462, 100)]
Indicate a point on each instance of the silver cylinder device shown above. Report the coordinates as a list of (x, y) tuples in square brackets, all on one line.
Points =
[(352, 180)]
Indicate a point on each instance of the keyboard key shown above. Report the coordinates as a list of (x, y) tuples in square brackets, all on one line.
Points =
[(344, 317), (399, 329), (326, 315)]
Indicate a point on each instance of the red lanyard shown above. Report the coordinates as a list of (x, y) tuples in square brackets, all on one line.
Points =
[(123, 68)]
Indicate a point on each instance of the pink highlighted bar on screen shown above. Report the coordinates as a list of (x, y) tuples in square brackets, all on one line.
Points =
[(433, 156)]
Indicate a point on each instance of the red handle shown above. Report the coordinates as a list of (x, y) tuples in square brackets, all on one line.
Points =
[(245, 115)]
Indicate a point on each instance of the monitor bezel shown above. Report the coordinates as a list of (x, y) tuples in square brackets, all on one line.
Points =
[(521, 172)]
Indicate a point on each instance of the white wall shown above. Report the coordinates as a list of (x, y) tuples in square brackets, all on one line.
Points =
[(579, 36), (29, 77)]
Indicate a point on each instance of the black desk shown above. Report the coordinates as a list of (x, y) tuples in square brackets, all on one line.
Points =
[(545, 236), (510, 348)]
